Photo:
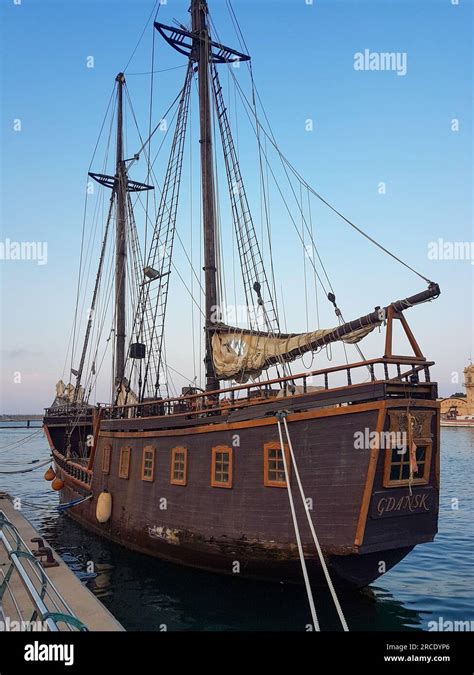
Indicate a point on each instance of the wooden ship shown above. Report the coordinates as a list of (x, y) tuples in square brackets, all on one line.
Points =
[(203, 478)]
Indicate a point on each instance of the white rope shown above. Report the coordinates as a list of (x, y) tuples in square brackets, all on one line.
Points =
[(313, 532), (298, 538)]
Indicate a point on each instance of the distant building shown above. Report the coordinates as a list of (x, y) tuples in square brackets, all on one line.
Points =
[(453, 407)]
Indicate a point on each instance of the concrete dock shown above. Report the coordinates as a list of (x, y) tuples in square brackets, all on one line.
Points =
[(63, 593)]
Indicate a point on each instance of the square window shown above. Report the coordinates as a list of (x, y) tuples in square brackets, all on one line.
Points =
[(397, 467)]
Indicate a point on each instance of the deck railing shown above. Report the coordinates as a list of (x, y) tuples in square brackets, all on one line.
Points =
[(80, 474), (389, 370), (77, 411)]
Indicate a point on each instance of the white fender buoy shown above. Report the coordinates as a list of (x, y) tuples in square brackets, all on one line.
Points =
[(104, 507)]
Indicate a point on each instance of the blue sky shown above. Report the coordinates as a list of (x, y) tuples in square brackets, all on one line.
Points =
[(368, 127)]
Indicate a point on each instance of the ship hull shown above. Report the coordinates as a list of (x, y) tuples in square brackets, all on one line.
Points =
[(364, 526), (350, 571)]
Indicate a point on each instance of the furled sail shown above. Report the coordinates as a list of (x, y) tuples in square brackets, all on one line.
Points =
[(66, 394), (239, 354), (126, 395)]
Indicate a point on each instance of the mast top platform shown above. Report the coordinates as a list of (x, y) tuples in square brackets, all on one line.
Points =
[(183, 41)]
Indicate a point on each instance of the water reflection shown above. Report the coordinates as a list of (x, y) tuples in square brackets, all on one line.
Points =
[(148, 594)]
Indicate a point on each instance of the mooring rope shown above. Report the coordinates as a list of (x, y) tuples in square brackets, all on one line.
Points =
[(21, 441), (58, 507), (32, 468), (311, 526), (21, 463), (297, 533), (75, 502)]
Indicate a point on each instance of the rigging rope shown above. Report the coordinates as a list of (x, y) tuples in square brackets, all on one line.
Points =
[(162, 70), (148, 154), (91, 381), (272, 140), (156, 6), (72, 338), (285, 164), (300, 178)]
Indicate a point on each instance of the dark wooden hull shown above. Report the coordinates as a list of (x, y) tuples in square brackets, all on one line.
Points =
[(247, 530)]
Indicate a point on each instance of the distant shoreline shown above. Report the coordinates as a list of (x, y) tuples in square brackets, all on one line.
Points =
[(20, 418)]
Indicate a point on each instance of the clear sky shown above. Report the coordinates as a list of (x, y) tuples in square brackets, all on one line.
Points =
[(368, 127)]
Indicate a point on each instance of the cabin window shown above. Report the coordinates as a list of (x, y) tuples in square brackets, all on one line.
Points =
[(106, 459), (148, 463), (221, 474), (179, 465), (273, 466), (397, 466), (124, 462)]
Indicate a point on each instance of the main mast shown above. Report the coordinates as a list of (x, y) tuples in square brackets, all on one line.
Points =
[(120, 239), (201, 54), (200, 49)]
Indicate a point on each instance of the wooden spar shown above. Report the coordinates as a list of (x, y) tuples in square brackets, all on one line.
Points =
[(372, 319), (200, 53), (120, 242)]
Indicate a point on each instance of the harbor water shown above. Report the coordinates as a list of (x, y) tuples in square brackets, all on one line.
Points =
[(433, 586)]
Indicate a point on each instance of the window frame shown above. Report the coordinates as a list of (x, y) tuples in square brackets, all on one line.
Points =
[(126, 449), (420, 480), (174, 451), (106, 458), (148, 449), (275, 445), (229, 450)]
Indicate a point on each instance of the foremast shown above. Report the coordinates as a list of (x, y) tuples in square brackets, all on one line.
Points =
[(120, 186)]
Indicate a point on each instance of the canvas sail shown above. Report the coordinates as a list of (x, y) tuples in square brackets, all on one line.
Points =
[(239, 354)]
